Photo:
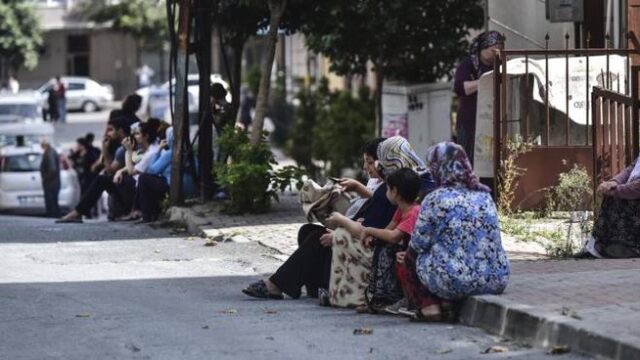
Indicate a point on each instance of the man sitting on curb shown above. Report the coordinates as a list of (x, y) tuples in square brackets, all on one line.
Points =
[(122, 193)]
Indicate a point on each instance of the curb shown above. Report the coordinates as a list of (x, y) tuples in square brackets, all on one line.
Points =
[(528, 324)]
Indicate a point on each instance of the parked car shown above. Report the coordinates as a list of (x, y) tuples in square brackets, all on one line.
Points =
[(21, 185), (82, 93), (155, 99), (31, 133), (23, 107)]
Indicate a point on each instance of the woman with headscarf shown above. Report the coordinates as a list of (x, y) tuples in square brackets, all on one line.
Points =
[(361, 276), (615, 233), (482, 54), (455, 249)]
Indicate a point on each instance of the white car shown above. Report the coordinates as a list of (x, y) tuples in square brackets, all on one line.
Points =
[(21, 185), (20, 108), (155, 99), (82, 93)]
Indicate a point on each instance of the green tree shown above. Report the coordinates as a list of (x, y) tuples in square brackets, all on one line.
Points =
[(20, 37), (413, 40)]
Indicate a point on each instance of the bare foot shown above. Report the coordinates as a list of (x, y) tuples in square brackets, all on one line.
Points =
[(272, 288), (72, 215), (431, 311)]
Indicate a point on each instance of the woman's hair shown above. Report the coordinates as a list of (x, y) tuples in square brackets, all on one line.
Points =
[(406, 182), (371, 147), (149, 130)]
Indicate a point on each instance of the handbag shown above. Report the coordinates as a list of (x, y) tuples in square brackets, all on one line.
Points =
[(318, 202)]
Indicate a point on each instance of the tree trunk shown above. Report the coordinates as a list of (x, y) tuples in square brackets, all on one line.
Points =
[(203, 22), (379, 73), (276, 9), (236, 75)]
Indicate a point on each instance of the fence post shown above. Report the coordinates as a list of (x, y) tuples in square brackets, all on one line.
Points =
[(635, 108)]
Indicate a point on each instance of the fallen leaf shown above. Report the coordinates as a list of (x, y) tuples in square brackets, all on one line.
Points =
[(363, 331), (229, 311), (496, 349), (444, 351), (156, 251), (210, 243), (269, 338), (559, 349), (205, 327), (83, 315), (270, 311)]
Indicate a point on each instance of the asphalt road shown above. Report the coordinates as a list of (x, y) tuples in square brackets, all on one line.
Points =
[(121, 291), (79, 124)]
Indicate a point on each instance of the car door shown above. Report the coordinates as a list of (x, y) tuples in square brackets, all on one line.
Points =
[(76, 91)]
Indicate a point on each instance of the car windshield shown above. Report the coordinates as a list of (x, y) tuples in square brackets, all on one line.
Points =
[(21, 163), (22, 110)]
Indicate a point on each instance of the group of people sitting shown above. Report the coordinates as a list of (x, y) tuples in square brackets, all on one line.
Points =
[(134, 168), (425, 238)]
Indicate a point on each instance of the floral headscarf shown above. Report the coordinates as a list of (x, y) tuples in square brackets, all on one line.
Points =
[(450, 166), (396, 153), (483, 41)]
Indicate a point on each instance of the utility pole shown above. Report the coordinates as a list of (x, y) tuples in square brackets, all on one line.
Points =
[(181, 119), (203, 21)]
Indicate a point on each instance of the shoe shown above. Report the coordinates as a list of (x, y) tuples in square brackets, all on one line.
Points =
[(584, 254), (407, 312), (400, 304), (69, 221), (259, 290), (323, 297)]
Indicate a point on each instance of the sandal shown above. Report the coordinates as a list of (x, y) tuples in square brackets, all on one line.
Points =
[(259, 290), (418, 316), (69, 221)]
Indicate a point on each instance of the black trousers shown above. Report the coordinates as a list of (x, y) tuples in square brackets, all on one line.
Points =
[(152, 189), (122, 193), (51, 200), (308, 266)]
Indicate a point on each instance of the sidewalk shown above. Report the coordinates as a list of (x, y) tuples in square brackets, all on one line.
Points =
[(591, 306)]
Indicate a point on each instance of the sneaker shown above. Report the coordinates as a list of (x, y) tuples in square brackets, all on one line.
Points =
[(400, 304), (407, 312)]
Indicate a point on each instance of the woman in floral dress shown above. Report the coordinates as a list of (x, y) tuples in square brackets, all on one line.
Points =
[(455, 250)]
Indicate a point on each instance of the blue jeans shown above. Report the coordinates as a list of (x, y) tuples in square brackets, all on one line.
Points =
[(62, 110)]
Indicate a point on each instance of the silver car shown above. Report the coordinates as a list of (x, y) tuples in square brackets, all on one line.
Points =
[(20, 183), (23, 107), (82, 93)]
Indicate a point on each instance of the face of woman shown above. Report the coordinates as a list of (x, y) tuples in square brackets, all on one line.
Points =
[(369, 166), (140, 139), (488, 55)]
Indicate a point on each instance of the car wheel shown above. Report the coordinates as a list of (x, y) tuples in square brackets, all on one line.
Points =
[(89, 106)]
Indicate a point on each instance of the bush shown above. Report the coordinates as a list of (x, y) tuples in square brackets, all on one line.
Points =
[(249, 176), (574, 191), (331, 127), (510, 172)]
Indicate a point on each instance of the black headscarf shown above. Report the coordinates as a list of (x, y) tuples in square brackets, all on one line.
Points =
[(485, 40)]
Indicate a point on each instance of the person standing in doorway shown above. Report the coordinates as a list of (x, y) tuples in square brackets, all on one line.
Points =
[(61, 91), (482, 53), (50, 174)]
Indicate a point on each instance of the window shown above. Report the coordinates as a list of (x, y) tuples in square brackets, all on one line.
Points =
[(76, 86), (22, 163), (78, 48)]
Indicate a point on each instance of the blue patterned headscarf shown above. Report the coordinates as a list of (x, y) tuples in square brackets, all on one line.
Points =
[(396, 153), (450, 166), (483, 41)]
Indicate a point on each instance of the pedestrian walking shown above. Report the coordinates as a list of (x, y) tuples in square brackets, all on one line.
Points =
[(50, 175), (480, 60), (14, 85), (61, 91)]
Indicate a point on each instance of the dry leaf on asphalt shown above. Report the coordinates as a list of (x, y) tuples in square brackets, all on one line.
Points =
[(496, 349), (210, 243), (560, 349), (270, 311), (444, 351), (229, 311), (83, 315), (363, 331)]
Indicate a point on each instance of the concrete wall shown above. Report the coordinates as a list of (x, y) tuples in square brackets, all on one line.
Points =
[(51, 63), (525, 25), (113, 61)]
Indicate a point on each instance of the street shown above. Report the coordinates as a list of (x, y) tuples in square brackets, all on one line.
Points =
[(111, 291), (79, 124)]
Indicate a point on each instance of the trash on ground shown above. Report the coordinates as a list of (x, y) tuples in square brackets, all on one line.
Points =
[(363, 331), (496, 349), (559, 350)]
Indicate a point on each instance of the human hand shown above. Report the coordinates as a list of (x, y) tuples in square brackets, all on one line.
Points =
[(607, 187), (117, 178), (326, 240), (349, 184), (163, 144), (367, 241), (335, 219), (105, 143), (127, 144), (400, 257)]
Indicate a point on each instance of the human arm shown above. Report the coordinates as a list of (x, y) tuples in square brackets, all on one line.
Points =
[(128, 156), (628, 191), (353, 227), (106, 157), (117, 177), (391, 234), (356, 186), (160, 161)]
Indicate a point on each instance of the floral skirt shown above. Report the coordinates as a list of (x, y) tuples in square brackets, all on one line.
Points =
[(350, 267), (383, 283), (617, 230)]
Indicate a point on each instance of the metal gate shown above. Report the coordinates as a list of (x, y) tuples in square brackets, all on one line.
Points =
[(547, 159)]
